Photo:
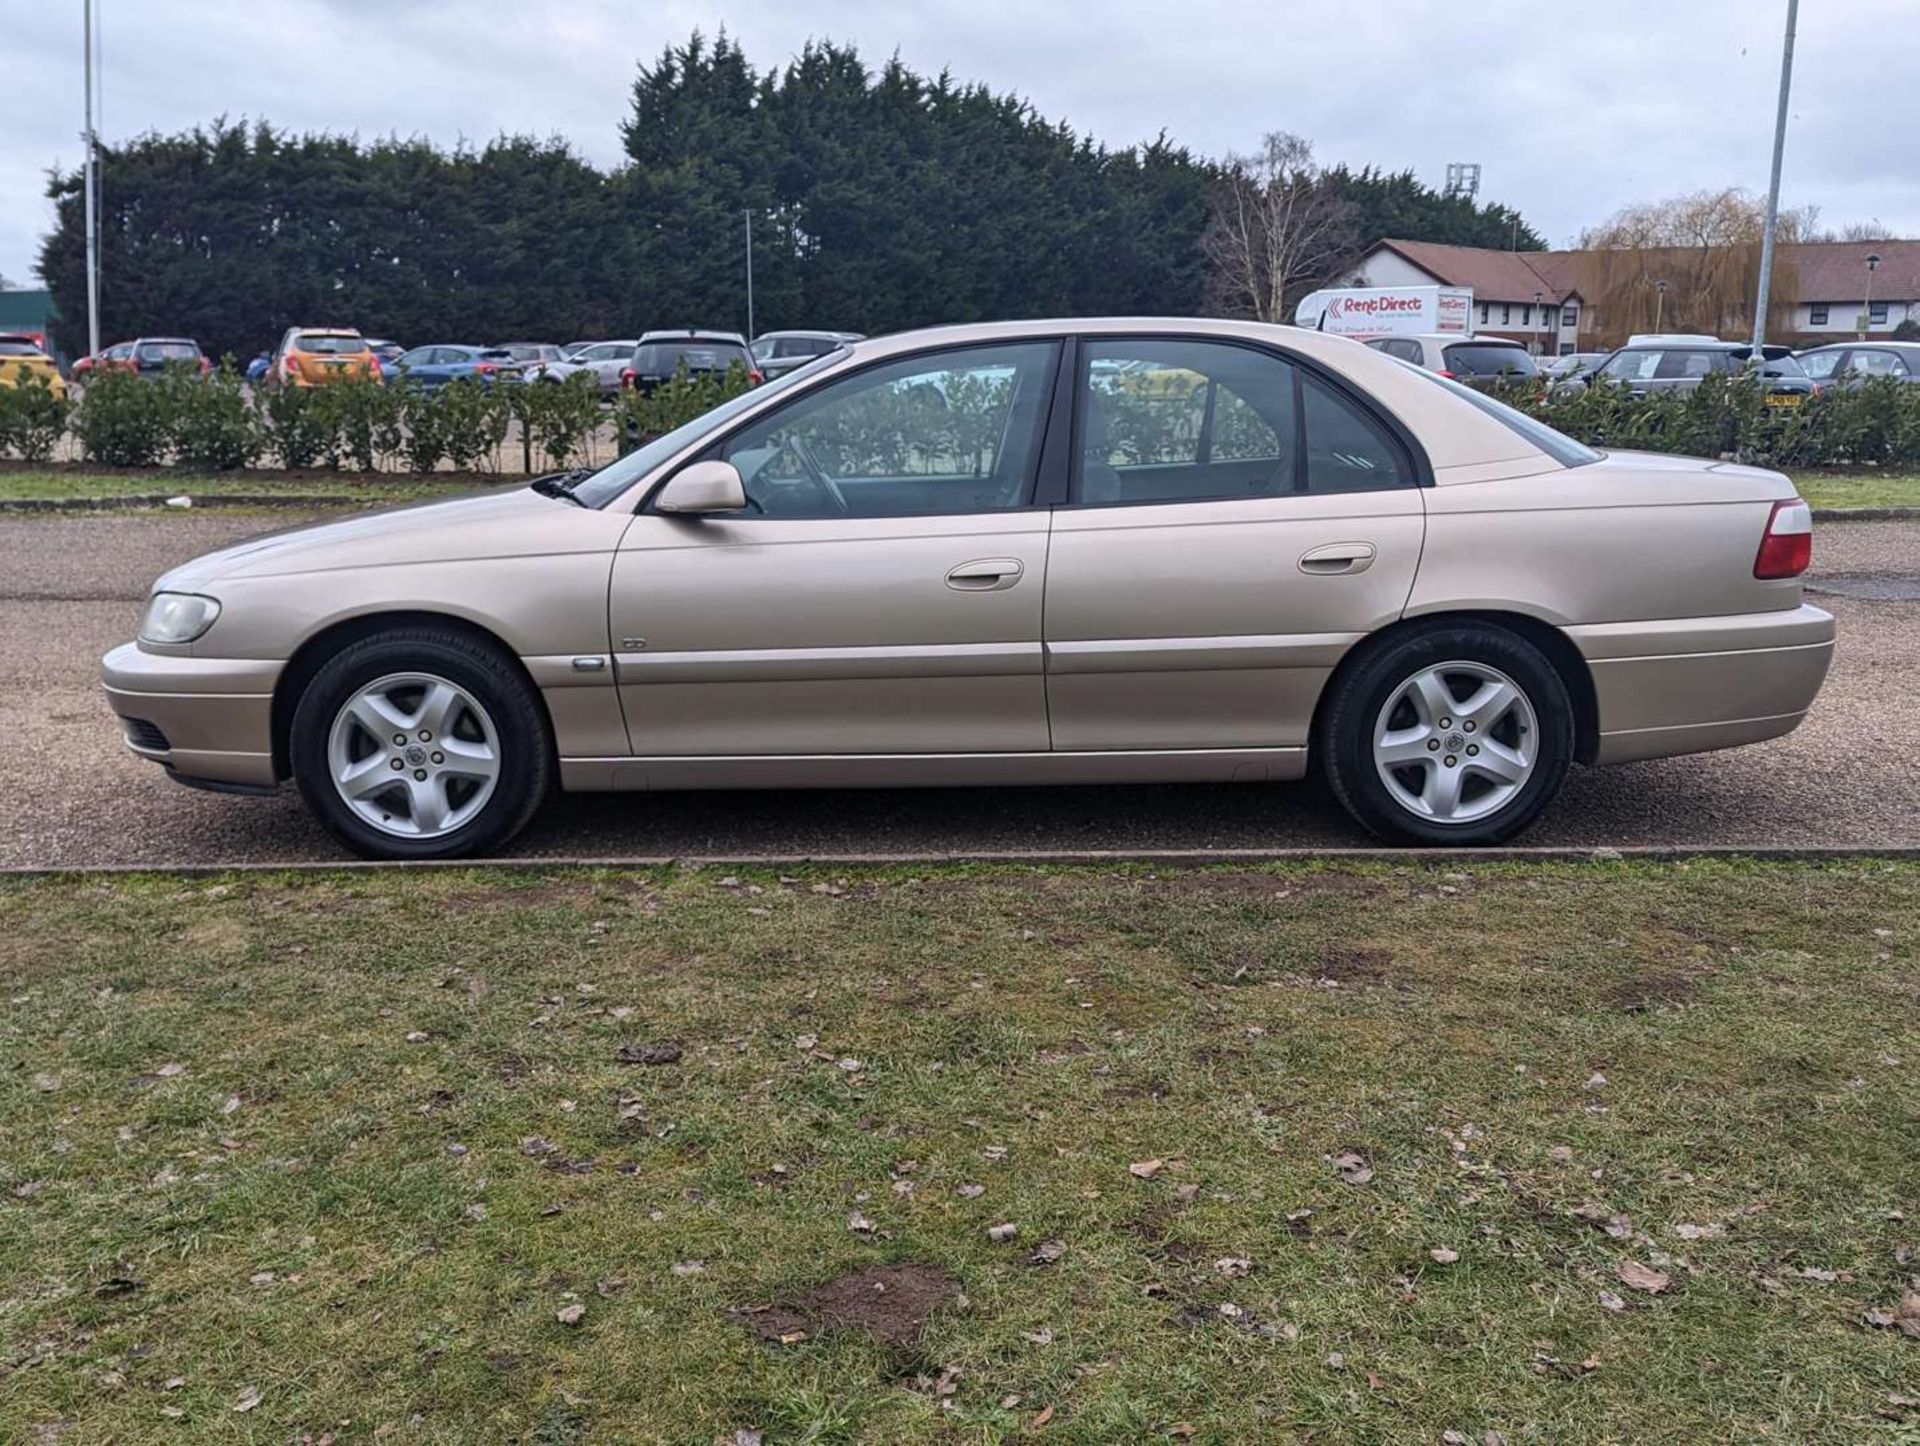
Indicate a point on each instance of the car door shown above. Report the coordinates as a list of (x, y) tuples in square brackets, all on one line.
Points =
[(608, 361), (881, 594), (1237, 521)]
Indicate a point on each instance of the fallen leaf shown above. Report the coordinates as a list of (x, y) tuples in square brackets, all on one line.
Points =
[(1047, 1251), (1043, 1417), (1353, 1166), (1233, 1266), (659, 1053), (1041, 1337), (417, 1036), (1609, 1300), (859, 1224), (686, 1267), (570, 1315), (1183, 1429), (1443, 1255), (1001, 1234), (1146, 1169), (249, 1398), (1712, 1230), (170, 1069), (971, 1192), (1642, 1277)]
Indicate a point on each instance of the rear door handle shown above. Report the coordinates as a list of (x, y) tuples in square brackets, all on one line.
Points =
[(987, 574), (1338, 557)]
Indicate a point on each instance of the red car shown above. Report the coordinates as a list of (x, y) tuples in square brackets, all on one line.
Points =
[(145, 356)]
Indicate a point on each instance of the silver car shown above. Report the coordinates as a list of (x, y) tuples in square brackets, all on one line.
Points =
[(1118, 551), (603, 360), (779, 352)]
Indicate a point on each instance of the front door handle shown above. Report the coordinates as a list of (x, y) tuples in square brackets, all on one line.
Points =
[(1338, 558), (988, 574)]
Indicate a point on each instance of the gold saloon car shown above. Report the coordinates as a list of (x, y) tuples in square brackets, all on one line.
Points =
[(1034, 553)]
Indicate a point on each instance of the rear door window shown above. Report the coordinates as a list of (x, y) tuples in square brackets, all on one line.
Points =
[(1871, 363), (1633, 366), (1821, 364), (1482, 359), (1690, 365)]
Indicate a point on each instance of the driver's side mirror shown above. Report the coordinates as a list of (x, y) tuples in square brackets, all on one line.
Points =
[(701, 489)]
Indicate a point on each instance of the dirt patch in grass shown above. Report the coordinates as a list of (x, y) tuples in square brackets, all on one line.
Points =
[(1350, 964), (891, 1303), (1668, 989), (1257, 885)]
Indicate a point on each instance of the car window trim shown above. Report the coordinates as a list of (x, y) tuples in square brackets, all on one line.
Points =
[(1418, 467), (711, 449)]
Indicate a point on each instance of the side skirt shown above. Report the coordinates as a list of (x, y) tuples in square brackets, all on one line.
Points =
[(932, 770)]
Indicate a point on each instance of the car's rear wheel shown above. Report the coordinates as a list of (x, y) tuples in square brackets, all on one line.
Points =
[(1454, 734), (421, 743)]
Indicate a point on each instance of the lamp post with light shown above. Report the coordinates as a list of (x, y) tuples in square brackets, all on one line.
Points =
[(1866, 311), (1659, 302)]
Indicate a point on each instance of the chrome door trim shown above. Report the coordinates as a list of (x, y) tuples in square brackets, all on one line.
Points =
[(1176, 655), (767, 665)]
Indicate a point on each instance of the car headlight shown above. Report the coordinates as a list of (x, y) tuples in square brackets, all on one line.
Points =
[(177, 617)]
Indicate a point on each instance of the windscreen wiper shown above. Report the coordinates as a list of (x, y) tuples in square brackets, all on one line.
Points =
[(561, 484)]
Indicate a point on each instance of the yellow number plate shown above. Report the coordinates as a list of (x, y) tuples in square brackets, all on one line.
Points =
[(1784, 399)]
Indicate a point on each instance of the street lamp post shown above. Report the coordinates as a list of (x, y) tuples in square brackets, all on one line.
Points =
[(1866, 314), (91, 180), (1659, 302), (1773, 187), (746, 216), (1539, 321)]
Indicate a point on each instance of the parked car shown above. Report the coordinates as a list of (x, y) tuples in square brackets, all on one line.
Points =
[(524, 360), (779, 352), (660, 354), (432, 367), (1573, 364), (1852, 362), (257, 368), (1680, 364), (147, 356), (21, 356), (385, 352), (311, 356), (1476, 360), (1261, 550), (604, 359)]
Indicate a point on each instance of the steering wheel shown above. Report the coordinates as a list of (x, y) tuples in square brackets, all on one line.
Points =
[(803, 453)]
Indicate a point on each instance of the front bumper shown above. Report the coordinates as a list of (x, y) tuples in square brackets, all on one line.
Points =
[(207, 720), (1689, 685)]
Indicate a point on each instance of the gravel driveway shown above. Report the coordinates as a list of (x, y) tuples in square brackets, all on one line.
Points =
[(70, 795)]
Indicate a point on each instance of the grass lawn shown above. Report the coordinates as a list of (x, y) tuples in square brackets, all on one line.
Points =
[(373, 489), (1603, 1153), (1859, 489)]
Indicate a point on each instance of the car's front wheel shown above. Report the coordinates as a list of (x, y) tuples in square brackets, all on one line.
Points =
[(421, 743), (1454, 734)]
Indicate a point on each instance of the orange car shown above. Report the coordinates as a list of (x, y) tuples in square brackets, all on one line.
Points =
[(309, 356)]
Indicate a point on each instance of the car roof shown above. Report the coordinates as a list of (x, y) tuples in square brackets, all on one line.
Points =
[(327, 331), (1913, 346), (689, 334), (803, 335), (182, 340)]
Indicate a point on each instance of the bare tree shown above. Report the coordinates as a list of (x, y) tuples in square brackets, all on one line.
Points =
[(1276, 230)]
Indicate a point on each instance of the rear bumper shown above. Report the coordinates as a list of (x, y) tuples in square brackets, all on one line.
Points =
[(1692, 684), (206, 720)]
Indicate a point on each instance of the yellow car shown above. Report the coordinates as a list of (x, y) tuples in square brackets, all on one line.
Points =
[(313, 356), (22, 357)]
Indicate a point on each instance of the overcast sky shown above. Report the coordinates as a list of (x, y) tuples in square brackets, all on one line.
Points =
[(1573, 110)]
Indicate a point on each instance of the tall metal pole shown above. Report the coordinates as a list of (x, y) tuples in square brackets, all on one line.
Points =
[(92, 180), (1773, 187), (746, 216)]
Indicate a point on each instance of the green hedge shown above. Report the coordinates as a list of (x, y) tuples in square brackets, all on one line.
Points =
[(216, 424), (1876, 423)]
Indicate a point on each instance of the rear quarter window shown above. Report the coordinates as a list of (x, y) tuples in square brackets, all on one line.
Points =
[(1478, 359)]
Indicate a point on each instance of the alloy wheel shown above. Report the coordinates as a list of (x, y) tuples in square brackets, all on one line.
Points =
[(1456, 742), (413, 755)]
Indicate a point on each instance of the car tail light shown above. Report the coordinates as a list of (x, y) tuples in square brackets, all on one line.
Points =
[(206, 367), (628, 376), (755, 377), (1787, 547), (373, 367), (1447, 374), (484, 369), (293, 366)]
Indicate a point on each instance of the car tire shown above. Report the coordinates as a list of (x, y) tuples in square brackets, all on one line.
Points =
[(463, 790), (1451, 734)]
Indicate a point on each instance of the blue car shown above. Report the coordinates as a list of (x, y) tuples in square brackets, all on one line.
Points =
[(257, 368), (432, 367)]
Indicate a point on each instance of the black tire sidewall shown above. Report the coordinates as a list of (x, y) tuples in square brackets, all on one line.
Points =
[(526, 749), (1348, 736)]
